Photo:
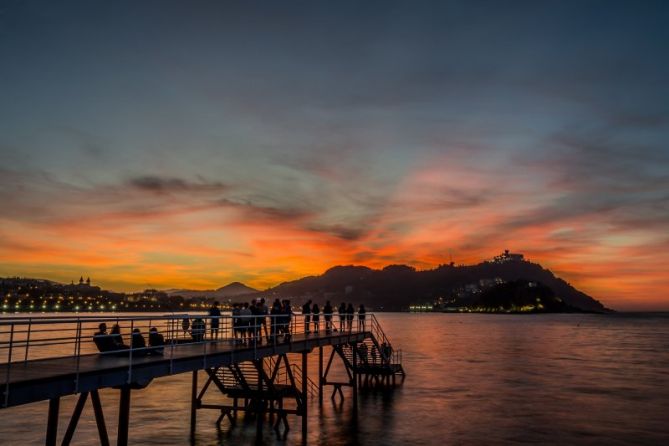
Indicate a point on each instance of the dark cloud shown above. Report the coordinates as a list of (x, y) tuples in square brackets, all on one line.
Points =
[(159, 185), (254, 212)]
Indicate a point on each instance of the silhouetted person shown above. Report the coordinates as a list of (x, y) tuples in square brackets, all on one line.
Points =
[(117, 338), (198, 329), (306, 311), (102, 330), (185, 324), (362, 351), (264, 311), (342, 316), (275, 319), (138, 342), (316, 317), (103, 340), (245, 321), (350, 312), (236, 321), (361, 317), (156, 340), (215, 314), (327, 314), (256, 311), (288, 314)]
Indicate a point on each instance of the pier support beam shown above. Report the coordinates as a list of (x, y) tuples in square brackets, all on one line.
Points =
[(355, 379), (320, 376), (123, 417), (304, 397), (52, 422), (99, 418), (75, 419), (193, 406)]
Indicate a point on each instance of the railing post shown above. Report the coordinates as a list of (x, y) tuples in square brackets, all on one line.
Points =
[(132, 326), (320, 375), (52, 422), (9, 363), (123, 416), (28, 339), (77, 353), (304, 397), (193, 406)]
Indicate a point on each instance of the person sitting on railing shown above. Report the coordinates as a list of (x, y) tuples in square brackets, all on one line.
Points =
[(156, 340), (361, 317)]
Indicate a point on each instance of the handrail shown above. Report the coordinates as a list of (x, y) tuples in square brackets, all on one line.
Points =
[(25, 339)]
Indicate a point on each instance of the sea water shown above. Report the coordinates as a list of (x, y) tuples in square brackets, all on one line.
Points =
[(577, 379)]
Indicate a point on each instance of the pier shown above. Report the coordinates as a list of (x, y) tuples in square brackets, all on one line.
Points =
[(260, 369)]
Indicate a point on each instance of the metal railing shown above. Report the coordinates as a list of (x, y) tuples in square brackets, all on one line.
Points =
[(34, 338)]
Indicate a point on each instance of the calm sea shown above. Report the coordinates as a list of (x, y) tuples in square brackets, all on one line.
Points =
[(472, 379)]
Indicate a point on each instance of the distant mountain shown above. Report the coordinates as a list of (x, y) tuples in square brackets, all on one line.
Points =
[(233, 289), (395, 287)]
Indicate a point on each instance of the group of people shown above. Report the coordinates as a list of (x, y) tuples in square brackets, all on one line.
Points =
[(346, 314), (249, 323), (249, 320), (112, 341)]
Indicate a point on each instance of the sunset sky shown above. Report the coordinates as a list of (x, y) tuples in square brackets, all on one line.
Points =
[(189, 144)]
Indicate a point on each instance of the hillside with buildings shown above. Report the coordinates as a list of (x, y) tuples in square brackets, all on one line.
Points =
[(398, 287)]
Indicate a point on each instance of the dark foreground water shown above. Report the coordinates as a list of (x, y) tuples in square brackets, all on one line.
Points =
[(472, 379)]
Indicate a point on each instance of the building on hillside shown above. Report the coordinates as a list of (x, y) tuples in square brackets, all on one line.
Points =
[(507, 256)]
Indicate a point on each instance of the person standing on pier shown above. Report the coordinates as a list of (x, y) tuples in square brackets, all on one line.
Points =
[(361, 317), (288, 314), (306, 311), (256, 311), (236, 321), (316, 317), (275, 319), (215, 315), (342, 317), (327, 314), (264, 311), (350, 314), (245, 322)]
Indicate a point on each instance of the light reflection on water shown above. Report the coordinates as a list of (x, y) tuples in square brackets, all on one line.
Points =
[(472, 379)]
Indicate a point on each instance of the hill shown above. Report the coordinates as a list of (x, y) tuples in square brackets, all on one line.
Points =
[(233, 289), (395, 287)]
